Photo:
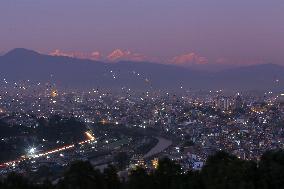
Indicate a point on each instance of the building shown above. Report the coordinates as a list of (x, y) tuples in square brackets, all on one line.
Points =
[(238, 102)]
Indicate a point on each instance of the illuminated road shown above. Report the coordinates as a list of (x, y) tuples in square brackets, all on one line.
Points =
[(89, 136)]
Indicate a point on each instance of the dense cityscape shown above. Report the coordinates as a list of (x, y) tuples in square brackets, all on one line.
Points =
[(159, 94), (44, 126)]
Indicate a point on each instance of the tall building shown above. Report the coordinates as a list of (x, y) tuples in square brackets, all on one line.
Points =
[(226, 104), (222, 103), (238, 102), (280, 100)]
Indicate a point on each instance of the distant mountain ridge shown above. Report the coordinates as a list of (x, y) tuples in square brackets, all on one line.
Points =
[(23, 64)]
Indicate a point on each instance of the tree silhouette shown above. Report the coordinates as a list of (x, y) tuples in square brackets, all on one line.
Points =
[(271, 170), (139, 179), (227, 171), (82, 175), (167, 174), (111, 178), (122, 159), (221, 170), (16, 181)]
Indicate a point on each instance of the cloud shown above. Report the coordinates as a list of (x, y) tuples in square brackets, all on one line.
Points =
[(58, 52), (127, 55), (189, 59), (118, 55), (92, 56), (96, 55), (114, 56)]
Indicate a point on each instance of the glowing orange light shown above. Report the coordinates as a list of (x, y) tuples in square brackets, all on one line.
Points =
[(155, 163), (54, 93), (90, 136)]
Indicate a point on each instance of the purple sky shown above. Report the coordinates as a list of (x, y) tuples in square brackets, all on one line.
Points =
[(240, 31)]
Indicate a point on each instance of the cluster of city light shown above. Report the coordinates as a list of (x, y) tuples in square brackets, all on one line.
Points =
[(155, 163), (90, 136), (11, 163), (32, 151), (54, 93), (53, 151)]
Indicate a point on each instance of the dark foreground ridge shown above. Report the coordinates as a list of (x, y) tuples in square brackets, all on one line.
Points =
[(222, 171)]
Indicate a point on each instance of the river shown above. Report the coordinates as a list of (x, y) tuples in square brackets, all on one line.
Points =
[(160, 146)]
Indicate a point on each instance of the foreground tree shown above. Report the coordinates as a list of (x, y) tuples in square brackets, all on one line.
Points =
[(122, 160), (191, 179), (271, 170), (139, 179), (82, 175), (221, 171), (16, 181), (167, 175), (224, 171), (111, 178)]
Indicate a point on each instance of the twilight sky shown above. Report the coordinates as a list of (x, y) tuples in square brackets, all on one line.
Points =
[(213, 31)]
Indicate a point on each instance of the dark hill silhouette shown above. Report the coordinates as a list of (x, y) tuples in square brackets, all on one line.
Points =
[(23, 64)]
